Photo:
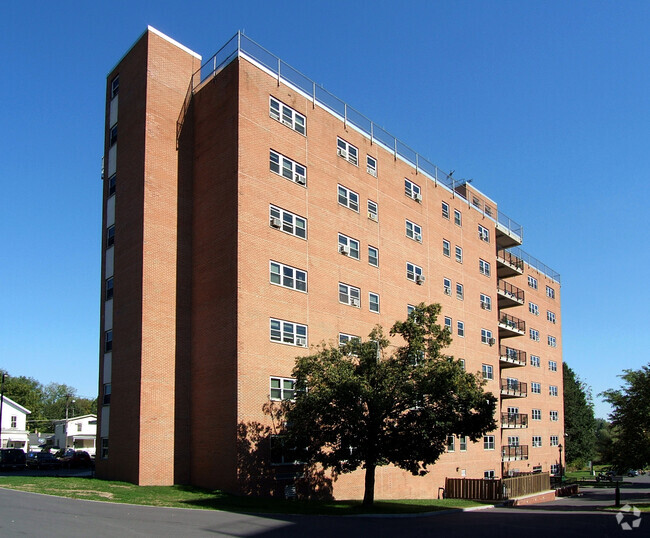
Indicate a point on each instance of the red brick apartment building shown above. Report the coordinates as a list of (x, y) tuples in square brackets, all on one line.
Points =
[(249, 215)]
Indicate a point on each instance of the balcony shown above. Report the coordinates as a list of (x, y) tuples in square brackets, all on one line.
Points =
[(514, 420), (510, 326), (511, 388), (508, 264), (509, 295), (509, 357), (514, 453), (508, 232)]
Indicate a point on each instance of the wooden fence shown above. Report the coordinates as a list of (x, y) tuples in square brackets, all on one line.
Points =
[(498, 489)]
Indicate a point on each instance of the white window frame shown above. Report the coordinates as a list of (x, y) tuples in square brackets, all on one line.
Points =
[(459, 253), (282, 381), (550, 316), (446, 286), (412, 271), (345, 339), (451, 443), (552, 366), (449, 323), (373, 211), (290, 332), (537, 441), (347, 151), (446, 248), (532, 282), (413, 231), (488, 442), (535, 361), (488, 371), (533, 334), (460, 329), (287, 168), (484, 267), (287, 116), (489, 475), (445, 210), (371, 165), (552, 341), (533, 308), (554, 440), (115, 86), (287, 222), (458, 217), (486, 301), (553, 416), (550, 292), (460, 293), (351, 243), (536, 414), (412, 190), (486, 336), (287, 276), (373, 299), (535, 387), (462, 443), (373, 250), (348, 198), (483, 233), (552, 390), (349, 295)]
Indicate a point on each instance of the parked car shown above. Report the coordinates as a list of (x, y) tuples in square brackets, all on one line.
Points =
[(12, 458), (42, 460), (76, 458), (633, 472)]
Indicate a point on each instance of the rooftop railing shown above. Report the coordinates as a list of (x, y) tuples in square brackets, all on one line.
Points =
[(535, 263), (241, 45)]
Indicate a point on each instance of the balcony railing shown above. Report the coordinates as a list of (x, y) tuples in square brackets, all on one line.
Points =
[(513, 389), (510, 453), (512, 356), (512, 294), (535, 263), (508, 258), (514, 420), (511, 324)]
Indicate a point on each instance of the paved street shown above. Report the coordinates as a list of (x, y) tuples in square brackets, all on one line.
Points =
[(29, 514)]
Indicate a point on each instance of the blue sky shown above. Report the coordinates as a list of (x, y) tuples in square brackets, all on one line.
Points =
[(543, 104)]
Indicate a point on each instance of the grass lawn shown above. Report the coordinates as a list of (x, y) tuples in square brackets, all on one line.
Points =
[(191, 497)]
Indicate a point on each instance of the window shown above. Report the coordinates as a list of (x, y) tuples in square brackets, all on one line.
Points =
[(373, 256), (112, 136), (288, 277), (111, 184), (287, 332), (115, 86), (448, 323), (349, 295), (288, 222), (79, 425), (109, 289), (459, 254), (552, 366), (488, 442), (373, 302), (553, 416), (552, 390), (446, 285), (413, 231), (536, 414), (110, 236), (537, 469), (533, 334), (484, 267), (460, 326), (552, 342), (412, 190), (446, 248), (462, 441), (445, 210), (282, 388), (459, 291), (488, 372), (108, 341), (489, 475), (371, 165), (537, 441), (532, 282), (281, 453), (513, 440), (106, 400), (14, 421), (286, 115), (555, 469), (458, 218), (534, 361), (104, 448), (483, 234), (486, 337), (348, 198), (287, 168), (349, 246), (550, 292), (372, 211), (486, 302), (462, 363), (345, 339), (347, 151), (409, 308), (550, 316), (554, 440), (533, 309), (451, 443), (535, 388), (414, 273)]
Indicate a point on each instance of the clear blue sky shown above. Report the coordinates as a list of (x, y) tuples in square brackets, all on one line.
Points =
[(544, 104)]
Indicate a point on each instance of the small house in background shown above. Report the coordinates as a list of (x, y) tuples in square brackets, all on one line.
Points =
[(13, 425), (76, 432)]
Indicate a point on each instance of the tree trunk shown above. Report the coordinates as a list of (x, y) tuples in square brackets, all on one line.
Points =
[(369, 493)]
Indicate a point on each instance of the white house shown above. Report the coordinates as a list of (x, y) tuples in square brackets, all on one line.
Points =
[(13, 427), (77, 432)]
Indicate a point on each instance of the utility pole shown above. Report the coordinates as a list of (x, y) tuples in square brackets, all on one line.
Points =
[(68, 399), (2, 399)]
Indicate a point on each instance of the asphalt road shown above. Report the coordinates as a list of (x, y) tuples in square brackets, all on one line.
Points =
[(26, 514)]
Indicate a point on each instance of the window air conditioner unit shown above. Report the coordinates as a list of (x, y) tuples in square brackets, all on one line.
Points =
[(419, 279), (354, 301), (342, 153), (372, 171), (344, 249), (418, 238), (447, 291), (372, 216), (300, 341), (484, 306), (492, 341), (417, 197), (300, 179), (276, 222)]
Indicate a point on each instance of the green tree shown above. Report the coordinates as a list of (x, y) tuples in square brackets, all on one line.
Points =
[(630, 419), (579, 424), (604, 442), (28, 392), (360, 406)]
